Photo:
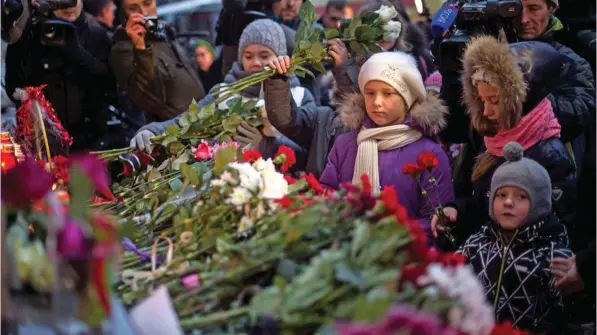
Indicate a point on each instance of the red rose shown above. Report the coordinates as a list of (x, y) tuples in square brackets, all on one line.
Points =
[(203, 151), (506, 328), (128, 170), (286, 157), (251, 155), (427, 160), (411, 169)]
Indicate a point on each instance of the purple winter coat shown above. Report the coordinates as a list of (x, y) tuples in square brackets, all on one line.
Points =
[(429, 117)]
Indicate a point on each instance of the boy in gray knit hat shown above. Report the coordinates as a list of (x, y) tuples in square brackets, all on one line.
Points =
[(511, 255), (265, 32)]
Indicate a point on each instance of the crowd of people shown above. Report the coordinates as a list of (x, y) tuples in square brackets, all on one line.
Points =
[(514, 176)]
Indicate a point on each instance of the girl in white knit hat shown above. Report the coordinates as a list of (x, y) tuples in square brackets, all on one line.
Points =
[(391, 122)]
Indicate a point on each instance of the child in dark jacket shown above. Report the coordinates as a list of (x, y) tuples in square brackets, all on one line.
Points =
[(512, 253)]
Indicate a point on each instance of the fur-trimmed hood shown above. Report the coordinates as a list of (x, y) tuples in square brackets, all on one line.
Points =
[(527, 72), (428, 115)]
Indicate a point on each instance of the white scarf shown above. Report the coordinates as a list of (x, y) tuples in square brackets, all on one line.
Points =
[(373, 140)]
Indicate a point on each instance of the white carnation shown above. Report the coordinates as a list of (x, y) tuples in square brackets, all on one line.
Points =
[(239, 196), (275, 186), (249, 177), (386, 13), (244, 224)]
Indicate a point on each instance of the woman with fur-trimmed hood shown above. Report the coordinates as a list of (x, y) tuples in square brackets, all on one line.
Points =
[(505, 89), (392, 122)]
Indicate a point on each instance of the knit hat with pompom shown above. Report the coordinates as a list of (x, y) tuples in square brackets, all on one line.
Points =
[(525, 174)]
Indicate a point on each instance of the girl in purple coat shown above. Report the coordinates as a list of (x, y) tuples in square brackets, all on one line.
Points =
[(392, 122)]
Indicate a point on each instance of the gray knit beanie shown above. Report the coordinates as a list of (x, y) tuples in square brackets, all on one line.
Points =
[(527, 175), (265, 32)]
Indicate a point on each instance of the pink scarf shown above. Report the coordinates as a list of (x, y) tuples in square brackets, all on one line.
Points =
[(539, 124)]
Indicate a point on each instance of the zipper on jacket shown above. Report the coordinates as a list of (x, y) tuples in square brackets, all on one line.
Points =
[(500, 277)]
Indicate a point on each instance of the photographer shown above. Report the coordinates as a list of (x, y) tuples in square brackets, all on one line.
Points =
[(72, 62), (154, 70)]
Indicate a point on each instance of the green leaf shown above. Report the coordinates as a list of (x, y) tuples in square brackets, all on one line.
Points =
[(81, 189), (172, 130), (184, 120), (317, 50), (307, 12), (249, 105), (230, 123), (175, 147), (371, 310), (304, 45), (345, 274), (365, 34), (199, 167), (330, 34), (223, 158), (154, 175), (305, 70), (298, 186), (280, 282), (319, 67), (352, 27), (288, 269), (127, 229), (361, 236), (373, 47), (153, 203), (191, 175), (357, 49), (167, 140), (301, 34), (267, 302), (181, 159)]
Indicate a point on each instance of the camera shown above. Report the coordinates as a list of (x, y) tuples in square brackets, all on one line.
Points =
[(17, 16), (480, 18), (151, 24)]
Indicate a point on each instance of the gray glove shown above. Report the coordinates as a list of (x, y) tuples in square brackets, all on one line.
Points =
[(247, 134), (141, 140)]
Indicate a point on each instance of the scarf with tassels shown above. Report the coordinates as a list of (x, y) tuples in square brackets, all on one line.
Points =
[(373, 140), (540, 124)]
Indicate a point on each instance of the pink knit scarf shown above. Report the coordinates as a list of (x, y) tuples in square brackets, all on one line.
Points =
[(539, 124)]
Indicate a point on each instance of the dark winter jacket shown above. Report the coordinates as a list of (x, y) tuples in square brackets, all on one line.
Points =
[(77, 76), (517, 270), (517, 86), (427, 116), (313, 128), (160, 79)]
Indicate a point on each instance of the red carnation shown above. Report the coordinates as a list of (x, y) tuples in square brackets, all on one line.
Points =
[(411, 273), (289, 180), (25, 183), (286, 157), (412, 169), (313, 183), (389, 198), (366, 183), (285, 202), (128, 170), (251, 155), (507, 328), (427, 160)]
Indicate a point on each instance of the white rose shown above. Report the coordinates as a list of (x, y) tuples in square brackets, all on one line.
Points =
[(239, 196), (275, 186), (249, 177), (228, 178), (390, 37), (393, 27), (386, 13)]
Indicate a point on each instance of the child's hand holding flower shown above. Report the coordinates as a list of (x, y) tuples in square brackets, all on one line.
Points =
[(281, 64)]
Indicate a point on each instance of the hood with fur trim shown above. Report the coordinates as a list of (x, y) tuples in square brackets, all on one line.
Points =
[(527, 72), (428, 115)]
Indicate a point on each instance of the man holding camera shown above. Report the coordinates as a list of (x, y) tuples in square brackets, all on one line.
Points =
[(148, 63), (69, 54)]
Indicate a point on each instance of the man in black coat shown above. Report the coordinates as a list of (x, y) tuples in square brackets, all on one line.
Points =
[(75, 72)]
